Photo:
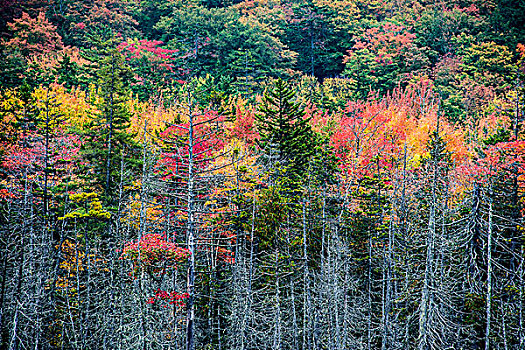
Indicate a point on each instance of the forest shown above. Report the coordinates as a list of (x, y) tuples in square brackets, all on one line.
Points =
[(262, 174)]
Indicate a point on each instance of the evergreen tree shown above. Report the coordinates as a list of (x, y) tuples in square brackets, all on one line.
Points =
[(69, 73), (12, 68), (287, 139), (107, 136)]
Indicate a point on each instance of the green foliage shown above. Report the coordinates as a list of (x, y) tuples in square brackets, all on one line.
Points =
[(274, 211), (247, 70), (501, 135), (287, 139), (211, 91), (12, 68), (69, 73), (382, 58), (489, 64), (82, 19), (362, 203), (332, 94), (107, 138), (366, 223), (212, 40), (436, 28), (149, 13), (319, 32), (508, 22), (437, 148), (474, 307)]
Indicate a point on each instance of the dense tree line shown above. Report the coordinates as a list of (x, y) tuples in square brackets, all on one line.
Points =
[(343, 174)]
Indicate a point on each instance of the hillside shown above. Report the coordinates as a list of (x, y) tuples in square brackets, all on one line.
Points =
[(225, 174)]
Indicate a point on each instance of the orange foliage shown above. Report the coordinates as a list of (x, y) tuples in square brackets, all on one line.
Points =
[(33, 35), (374, 133), (155, 117), (241, 125)]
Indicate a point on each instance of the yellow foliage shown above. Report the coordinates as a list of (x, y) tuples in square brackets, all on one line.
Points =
[(94, 207), (10, 105), (134, 212), (156, 118), (73, 107), (82, 196)]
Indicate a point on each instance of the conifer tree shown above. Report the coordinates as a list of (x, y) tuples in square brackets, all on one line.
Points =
[(286, 136), (107, 137)]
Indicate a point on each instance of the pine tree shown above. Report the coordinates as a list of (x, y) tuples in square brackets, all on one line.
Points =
[(287, 140), (69, 73), (107, 136)]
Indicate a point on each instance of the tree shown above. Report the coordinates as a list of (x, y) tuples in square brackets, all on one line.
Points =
[(319, 31), (33, 45), (286, 138), (33, 35), (382, 58), (155, 68), (437, 27), (211, 39), (189, 165), (107, 137), (82, 19)]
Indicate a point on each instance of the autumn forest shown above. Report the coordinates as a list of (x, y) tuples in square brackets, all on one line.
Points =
[(262, 174)]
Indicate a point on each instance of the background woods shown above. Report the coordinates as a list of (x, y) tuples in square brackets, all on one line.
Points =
[(262, 174)]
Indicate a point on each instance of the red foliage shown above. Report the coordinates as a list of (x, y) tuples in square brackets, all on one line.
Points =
[(86, 15), (25, 160), (34, 35), (205, 143), (242, 128), (498, 158), (226, 255), (360, 140), (154, 253), (28, 155), (150, 50), (386, 42), (154, 248), (371, 136), (173, 298), (5, 194)]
